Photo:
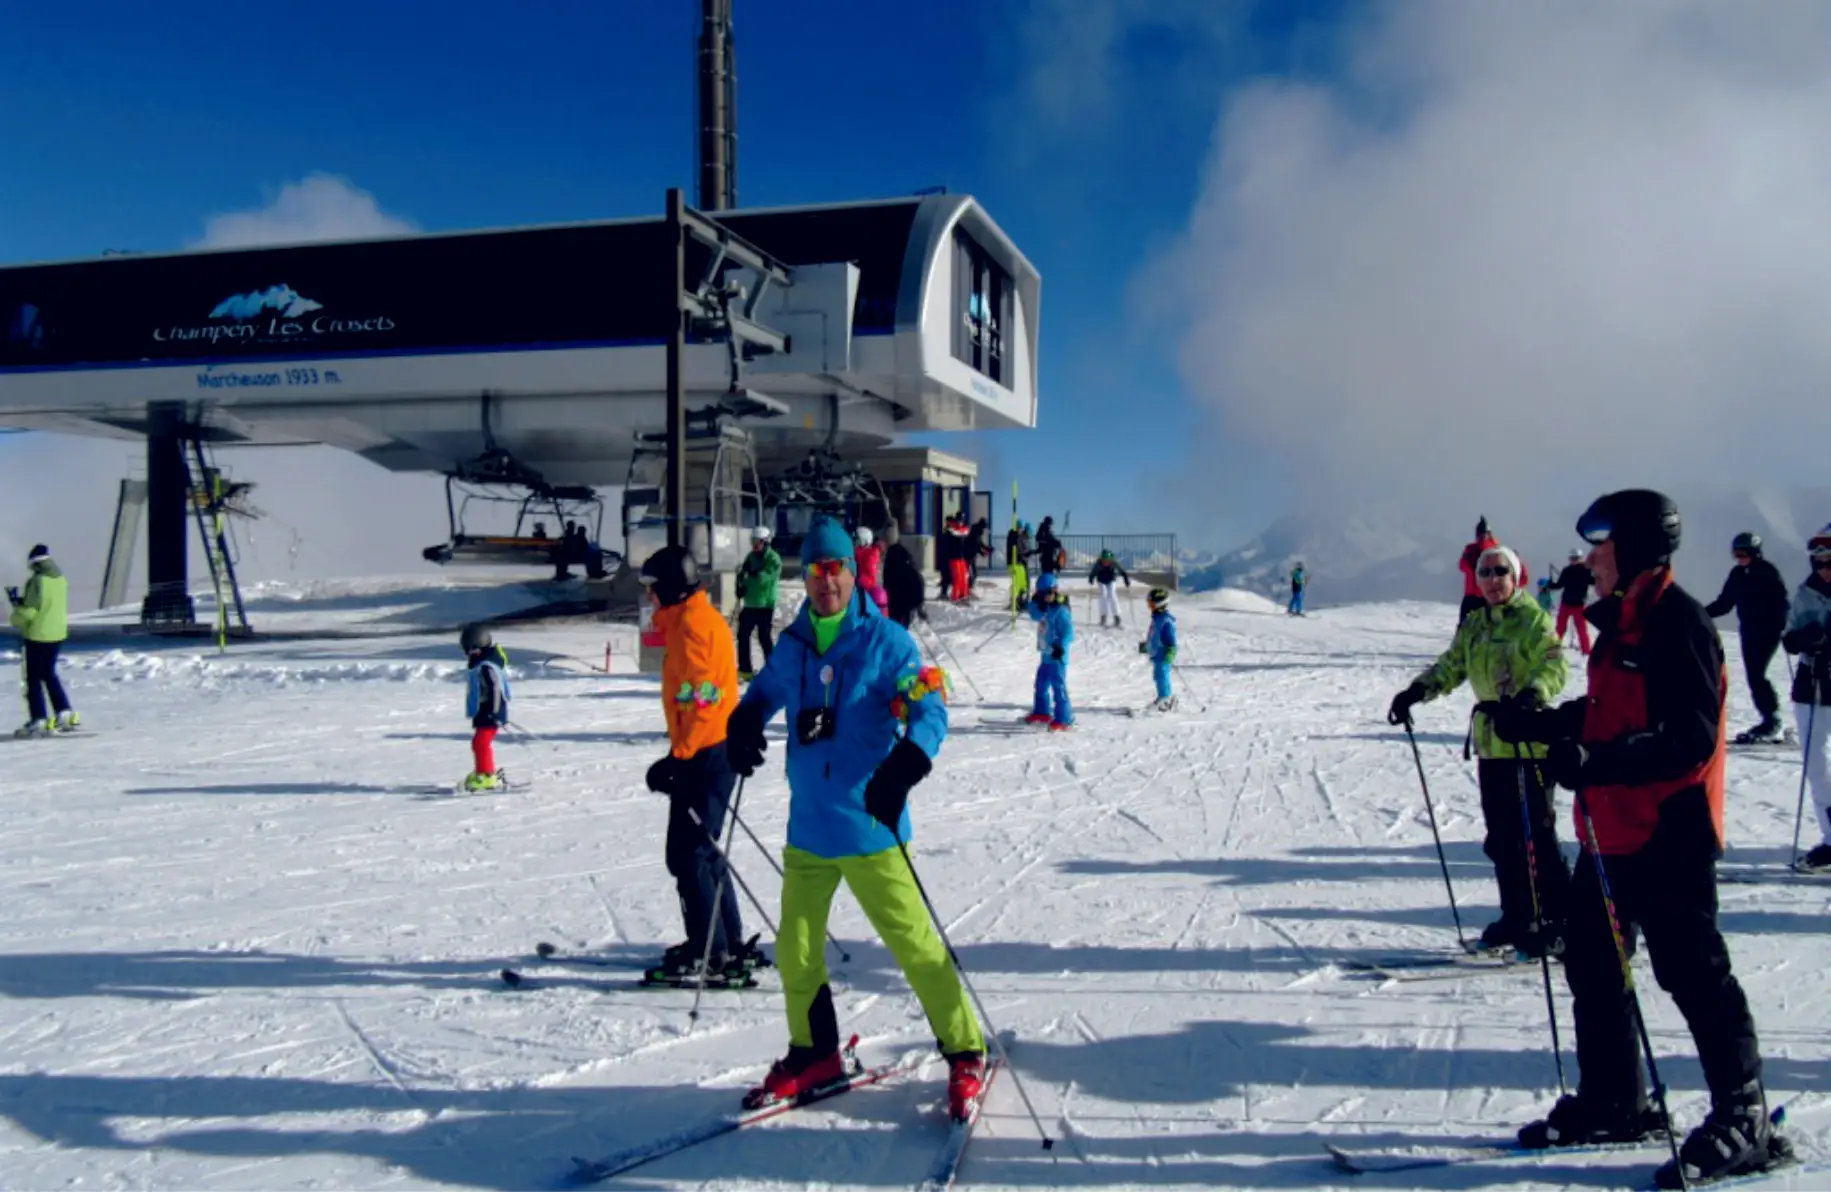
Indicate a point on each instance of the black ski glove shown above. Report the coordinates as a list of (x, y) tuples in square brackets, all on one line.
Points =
[(1520, 718), (1402, 703), (888, 791), (1807, 639), (1055, 653), (12, 594), (663, 776), (1144, 647), (1564, 763), (744, 744)]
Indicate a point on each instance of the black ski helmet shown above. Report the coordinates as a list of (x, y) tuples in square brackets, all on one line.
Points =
[(475, 637), (1643, 525), (1481, 527), (1747, 542), (673, 572), (1158, 598)]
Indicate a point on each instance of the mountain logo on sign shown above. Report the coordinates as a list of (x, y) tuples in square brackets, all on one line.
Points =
[(287, 302)]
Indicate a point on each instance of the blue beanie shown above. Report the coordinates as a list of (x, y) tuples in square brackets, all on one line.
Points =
[(826, 539)]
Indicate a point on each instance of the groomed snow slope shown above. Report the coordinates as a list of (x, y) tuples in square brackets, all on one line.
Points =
[(248, 944)]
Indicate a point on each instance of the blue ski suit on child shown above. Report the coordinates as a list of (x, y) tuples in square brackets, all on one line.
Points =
[(1160, 644), (1054, 633)]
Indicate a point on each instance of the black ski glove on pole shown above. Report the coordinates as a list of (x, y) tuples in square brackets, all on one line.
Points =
[(1402, 703), (1564, 763), (1055, 653), (664, 775), (744, 744), (888, 791), (1520, 718)]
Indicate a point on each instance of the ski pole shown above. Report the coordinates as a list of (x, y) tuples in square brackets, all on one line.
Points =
[(993, 636), (954, 658), (1538, 919), (1627, 976), (1188, 686), (718, 895), (1805, 769), (845, 957), (735, 875), (990, 1031), (1435, 835)]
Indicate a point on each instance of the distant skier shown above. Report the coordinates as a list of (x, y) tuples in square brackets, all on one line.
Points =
[(1106, 573), (1299, 581), (42, 616), (1758, 596), (1808, 634), (698, 693), (1021, 553), (1472, 598), (1644, 751), (866, 719), (486, 702), (1506, 651), (869, 555), (904, 588), (1054, 633), (1160, 645), (977, 548), (1545, 598), (757, 579), (1050, 555), (1572, 585), (958, 549)]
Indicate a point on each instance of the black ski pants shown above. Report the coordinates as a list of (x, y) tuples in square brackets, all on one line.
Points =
[(1505, 844), (693, 854), (1669, 890), (41, 680), (1758, 647), (762, 622)]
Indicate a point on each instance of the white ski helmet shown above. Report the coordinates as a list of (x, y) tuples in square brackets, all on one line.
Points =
[(864, 536), (761, 534)]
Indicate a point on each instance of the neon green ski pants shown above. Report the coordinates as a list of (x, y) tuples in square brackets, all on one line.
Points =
[(886, 890)]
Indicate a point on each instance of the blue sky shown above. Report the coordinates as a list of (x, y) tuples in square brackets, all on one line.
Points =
[(1083, 126)]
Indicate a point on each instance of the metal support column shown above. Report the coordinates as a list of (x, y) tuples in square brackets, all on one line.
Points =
[(168, 494), (676, 490)]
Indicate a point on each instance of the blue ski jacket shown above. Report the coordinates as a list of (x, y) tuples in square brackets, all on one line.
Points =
[(1055, 627), (873, 678), (1162, 638), (487, 700)]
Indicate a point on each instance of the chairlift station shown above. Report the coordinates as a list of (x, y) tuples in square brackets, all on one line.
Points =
[(540, 359)]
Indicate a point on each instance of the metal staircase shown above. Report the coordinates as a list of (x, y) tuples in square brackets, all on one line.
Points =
[(213, 498)]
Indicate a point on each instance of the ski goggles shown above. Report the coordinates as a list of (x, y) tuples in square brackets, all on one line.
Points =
[(1494, 572), (1821, 559), (826, 568)]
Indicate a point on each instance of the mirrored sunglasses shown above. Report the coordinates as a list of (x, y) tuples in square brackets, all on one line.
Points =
[(827, 568)]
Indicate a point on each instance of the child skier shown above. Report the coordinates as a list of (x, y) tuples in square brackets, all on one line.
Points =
[(1105, 571), (870, 559), (1054, 632), (1298, 580), (486, 703), (1160, 645), (1807, 626)]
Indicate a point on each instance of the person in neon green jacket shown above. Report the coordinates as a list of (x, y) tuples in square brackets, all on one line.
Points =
[(1506, 650), (41, 614)]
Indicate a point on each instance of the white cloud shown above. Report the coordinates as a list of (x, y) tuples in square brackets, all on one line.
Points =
[(317, 207), (1522, 253)]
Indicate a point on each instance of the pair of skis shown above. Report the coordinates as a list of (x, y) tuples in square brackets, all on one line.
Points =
[(1438, 966), (942, 1171), (553, 954)]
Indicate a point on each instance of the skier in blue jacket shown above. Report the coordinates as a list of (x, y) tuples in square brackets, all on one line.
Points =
[(1160, 645), (865, 719), (1054, 632)]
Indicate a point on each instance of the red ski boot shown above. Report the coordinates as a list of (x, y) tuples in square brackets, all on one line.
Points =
[(801, 1071), (1036, 718), (965, 1081)]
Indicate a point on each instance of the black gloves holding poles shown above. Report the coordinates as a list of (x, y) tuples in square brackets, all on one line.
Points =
[(888, 791), (1403, 702), (744, 744)]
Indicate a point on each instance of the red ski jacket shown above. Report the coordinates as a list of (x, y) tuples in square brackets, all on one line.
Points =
[(1653, 722)]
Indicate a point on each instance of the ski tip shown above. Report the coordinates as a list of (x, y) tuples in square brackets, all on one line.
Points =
[(511, 977), (545, 949)]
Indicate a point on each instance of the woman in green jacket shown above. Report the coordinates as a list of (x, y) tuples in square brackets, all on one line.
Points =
[(41, 615), (1506, 650)]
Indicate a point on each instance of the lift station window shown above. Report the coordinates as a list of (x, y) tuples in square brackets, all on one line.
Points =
[(982, 308)]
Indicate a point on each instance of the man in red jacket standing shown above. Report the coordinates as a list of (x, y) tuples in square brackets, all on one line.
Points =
[(1472, 598), (1645, 754)]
